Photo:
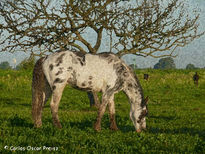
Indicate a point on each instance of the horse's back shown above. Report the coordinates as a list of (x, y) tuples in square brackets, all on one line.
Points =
[(86, 71)]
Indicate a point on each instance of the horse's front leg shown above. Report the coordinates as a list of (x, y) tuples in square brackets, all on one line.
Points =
[(101, 112), (111, 104)]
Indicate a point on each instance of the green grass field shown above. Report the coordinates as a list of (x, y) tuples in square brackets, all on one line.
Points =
[(175, 124)]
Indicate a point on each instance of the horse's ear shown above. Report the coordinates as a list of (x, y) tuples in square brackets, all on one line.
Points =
[(146, 100)]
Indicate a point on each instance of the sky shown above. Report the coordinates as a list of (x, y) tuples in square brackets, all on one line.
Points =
[(193, 53)]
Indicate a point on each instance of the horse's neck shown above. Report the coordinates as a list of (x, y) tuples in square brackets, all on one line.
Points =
[(133, 91)]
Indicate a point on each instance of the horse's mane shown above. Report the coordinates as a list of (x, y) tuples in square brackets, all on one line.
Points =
[(138, 85)]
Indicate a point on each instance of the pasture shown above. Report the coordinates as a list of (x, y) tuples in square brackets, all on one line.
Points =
[(175, 123)]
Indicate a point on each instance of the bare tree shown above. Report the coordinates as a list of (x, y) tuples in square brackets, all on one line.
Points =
[(143, 28)]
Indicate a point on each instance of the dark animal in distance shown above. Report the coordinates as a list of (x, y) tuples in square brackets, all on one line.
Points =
[(196, 78), (146, 77)]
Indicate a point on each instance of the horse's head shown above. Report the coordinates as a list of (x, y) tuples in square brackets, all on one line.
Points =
[(138, 115)]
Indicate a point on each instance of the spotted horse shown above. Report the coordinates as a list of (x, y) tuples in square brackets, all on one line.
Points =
[(104, 72)]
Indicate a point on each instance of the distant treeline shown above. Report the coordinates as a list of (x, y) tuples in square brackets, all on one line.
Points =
[(26, 64), (163, 63), (167, 63)]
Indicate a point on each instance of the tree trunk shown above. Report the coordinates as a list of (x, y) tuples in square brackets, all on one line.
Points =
[(94, 100)]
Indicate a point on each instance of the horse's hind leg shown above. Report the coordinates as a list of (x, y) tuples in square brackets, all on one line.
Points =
[(55, 100), (47, 92), (101, 112), (46, 95), (40, 96), (111, 104)]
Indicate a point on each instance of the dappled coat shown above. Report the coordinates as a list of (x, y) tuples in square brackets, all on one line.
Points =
[(103, 72)]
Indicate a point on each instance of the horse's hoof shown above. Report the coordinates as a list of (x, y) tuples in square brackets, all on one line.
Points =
[(58, 125), (138, 131), (97, 128), (114, 128), (38, 125)]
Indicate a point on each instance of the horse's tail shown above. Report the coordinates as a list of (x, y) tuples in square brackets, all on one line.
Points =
[(38, 92)]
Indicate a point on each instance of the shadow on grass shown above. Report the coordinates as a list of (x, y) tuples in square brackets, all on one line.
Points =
[(166, 118), (14, 102), (10, 101), (127, 128), (89, 124), (81, 124), (183, 130), (17, 121)]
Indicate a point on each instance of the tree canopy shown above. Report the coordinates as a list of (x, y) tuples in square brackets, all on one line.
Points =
[(165, 63), (144, 28), (5, 65), (190, 66)]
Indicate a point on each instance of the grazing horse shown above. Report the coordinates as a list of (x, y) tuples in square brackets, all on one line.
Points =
[(196, 78), (103, 72), (146, 77)]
